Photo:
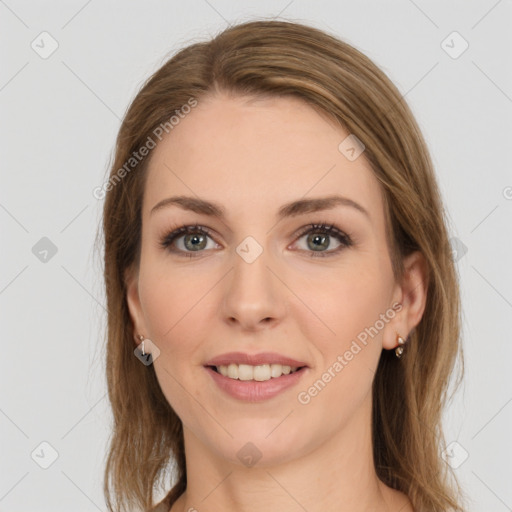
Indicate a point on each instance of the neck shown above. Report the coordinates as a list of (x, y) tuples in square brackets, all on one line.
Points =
[(337, 475)]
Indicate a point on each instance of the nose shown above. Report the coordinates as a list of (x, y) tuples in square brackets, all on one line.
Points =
[(254, 297)]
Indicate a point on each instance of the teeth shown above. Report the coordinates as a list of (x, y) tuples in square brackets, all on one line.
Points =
[(258, 373), (233, 371), (245, 372)]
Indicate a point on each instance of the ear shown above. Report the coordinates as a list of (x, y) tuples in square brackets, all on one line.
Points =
[(411, 297), (131, 278)]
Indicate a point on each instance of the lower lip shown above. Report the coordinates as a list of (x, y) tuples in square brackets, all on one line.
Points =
[(255, 391)]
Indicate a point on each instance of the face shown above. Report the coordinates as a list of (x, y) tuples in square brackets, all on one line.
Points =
[(310, 285)]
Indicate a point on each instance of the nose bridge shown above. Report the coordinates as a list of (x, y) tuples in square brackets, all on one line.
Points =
[(253, 293)]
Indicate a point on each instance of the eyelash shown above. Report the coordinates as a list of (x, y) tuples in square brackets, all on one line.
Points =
[(321, 227)]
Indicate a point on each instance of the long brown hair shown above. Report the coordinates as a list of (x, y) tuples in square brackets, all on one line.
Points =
[(285, 58)]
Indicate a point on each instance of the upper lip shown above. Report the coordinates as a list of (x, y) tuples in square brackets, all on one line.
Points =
[(253, 359)]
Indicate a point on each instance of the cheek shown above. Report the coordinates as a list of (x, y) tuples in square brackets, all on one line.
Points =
[(346, 302), (179, 311), (347, 359), (172, 300), (175, 311), (353, 310)]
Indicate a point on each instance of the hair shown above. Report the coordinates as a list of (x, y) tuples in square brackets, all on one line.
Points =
[(283, 58)]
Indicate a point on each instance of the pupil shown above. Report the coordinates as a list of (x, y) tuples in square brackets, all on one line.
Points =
[(196, 241), (319, 241)]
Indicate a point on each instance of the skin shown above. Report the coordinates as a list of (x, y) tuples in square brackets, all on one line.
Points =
[(252, 156)]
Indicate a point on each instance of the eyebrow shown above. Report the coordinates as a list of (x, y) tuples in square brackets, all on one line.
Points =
[(292, 209)]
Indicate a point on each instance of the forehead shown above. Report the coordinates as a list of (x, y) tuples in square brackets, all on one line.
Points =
[(257, 153)]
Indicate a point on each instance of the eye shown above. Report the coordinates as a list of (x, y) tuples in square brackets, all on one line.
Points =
[(190, 241), (187, 240), (319, 239)]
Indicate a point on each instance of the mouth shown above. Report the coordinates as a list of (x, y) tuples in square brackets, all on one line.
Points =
[(258, 373), (255, 383), (255, 377)]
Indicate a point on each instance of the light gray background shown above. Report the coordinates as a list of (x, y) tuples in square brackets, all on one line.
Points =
[(59, 119)]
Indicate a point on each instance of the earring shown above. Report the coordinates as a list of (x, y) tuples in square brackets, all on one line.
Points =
[(141, 339), (400, 349)]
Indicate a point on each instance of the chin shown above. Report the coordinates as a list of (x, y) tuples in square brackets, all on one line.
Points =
[(264, 443)]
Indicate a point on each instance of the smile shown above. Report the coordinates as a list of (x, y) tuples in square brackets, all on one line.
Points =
[(251, 389), (260, 373)]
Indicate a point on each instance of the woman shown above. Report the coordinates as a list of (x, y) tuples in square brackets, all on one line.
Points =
[(283, 308)]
